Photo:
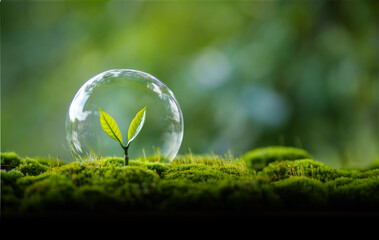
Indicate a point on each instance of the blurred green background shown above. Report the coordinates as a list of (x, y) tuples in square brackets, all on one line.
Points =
[(246, 74)]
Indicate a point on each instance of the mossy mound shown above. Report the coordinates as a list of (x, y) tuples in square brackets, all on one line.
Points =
[(9, 160), (191, 183), (31, 167), (194, 173), (302, 193), (354, 194), (259, 158), (299, 168)]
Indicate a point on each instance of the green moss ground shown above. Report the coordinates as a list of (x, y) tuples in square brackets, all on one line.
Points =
[(271, 180)]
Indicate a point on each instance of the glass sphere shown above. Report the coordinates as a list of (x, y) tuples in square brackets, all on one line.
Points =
[(122, 93)]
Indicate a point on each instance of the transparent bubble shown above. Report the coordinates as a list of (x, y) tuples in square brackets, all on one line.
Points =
[(122, 94)]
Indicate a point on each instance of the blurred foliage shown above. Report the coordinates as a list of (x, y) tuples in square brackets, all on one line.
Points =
[(246, 74)]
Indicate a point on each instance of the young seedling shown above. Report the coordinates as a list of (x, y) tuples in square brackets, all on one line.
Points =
[(110, 127)]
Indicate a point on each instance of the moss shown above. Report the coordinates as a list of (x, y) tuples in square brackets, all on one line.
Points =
[(52, 194), (29, 179), (358, 194), (194, 173), (370, 173), (351, 173), (246, 195), (127, 175), (341, 181), (299, 168), (184, 167), (113, 162), (301, 193), (182, 196), (10, 177), (159, 168), (211, 184), (10, 203), (9, 160), (26, 181), (10, 199), (69, 169), (259, 158), (94, 198), (134, 196), (31, 167), (225, 196), (108, 176), (116, 162), (226, 162)]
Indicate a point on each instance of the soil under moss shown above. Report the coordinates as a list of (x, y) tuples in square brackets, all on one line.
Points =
[(266, 182)]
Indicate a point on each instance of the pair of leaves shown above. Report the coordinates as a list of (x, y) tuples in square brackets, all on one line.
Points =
[(110, 127)]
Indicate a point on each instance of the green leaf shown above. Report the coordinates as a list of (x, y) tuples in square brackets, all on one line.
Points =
[(136, 125), (109, 126)]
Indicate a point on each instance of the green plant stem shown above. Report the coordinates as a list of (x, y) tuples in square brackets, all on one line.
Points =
[(126, 157)]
